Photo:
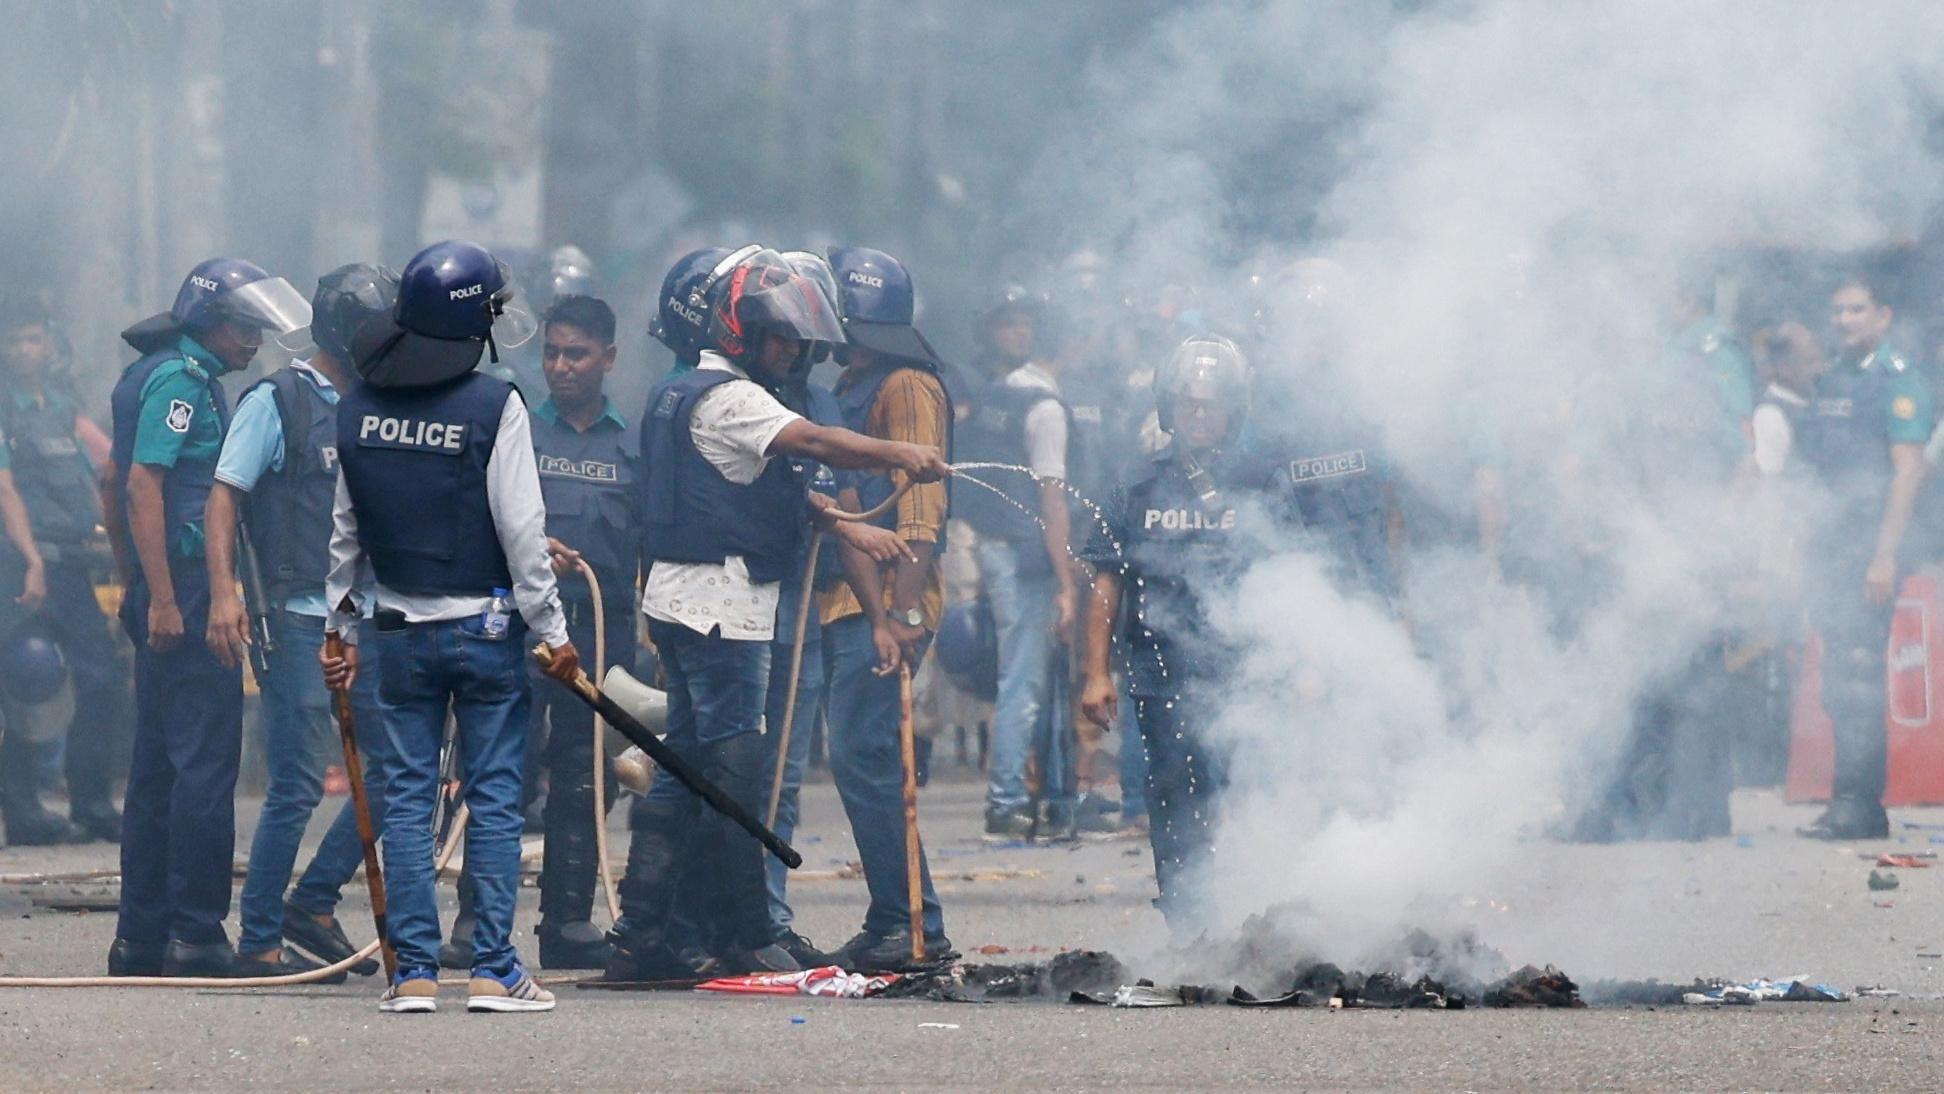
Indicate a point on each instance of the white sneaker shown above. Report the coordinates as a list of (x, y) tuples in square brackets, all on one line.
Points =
[(491, 994), (418, 995)]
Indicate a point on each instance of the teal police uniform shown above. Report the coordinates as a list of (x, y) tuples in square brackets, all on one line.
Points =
[(180, 830)]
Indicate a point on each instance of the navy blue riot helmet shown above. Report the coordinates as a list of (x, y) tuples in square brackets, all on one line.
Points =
[(223, 290), (346, 299), (678, 323), (31, 667), (878, 303), (455, 300)]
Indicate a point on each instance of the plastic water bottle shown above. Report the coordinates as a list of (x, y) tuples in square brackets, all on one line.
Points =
[(493, 623)]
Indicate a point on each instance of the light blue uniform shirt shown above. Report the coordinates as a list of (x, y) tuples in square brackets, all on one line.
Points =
[(255, 446)]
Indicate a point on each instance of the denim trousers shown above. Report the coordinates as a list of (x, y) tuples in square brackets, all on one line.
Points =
[(868, 767), (300, 740), (809, 704), (426, 669), (1022, 612)]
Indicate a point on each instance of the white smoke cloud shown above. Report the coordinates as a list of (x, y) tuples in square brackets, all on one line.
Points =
[(1522, 190)]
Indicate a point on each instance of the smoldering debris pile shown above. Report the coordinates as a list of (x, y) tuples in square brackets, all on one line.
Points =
[(1263, 965), (1095, 978)]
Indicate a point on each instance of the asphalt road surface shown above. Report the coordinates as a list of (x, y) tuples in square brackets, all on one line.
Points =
[(1762, 904)]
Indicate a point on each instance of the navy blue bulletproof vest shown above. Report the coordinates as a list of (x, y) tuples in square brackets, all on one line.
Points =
[(855, 400), (414, 463), (289, 512), (996, 433), (186, 486), (820, 406), (55, 479), (694, 514), (1844, 435), (1177, 547), (591, 483)]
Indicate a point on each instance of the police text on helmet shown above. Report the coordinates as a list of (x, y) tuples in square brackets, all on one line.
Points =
[(857, 278), (468, 291)]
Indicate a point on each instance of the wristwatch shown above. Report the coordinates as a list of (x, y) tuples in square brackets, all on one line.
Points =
[(910, 617)]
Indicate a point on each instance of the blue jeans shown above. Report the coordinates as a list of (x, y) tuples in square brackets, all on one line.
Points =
[(300, 740), (868, 766), (424, 670), (1022, 612), (809, 702), (716, 692), (179, 815)]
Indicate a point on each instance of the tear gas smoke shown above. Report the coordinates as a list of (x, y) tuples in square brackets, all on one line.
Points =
[(1518, 194)]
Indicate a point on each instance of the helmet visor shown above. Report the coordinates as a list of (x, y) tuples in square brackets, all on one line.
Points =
[(776, 300), (515, 319), (270, 304)]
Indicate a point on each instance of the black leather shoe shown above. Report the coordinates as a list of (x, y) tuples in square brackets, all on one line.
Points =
[(803, 951), (40, 828), (198, 959), (573, 946), (770, 958), (127, 958), (326, 943), (98, 820), (286, 964), (635, 962), (893, 954), (1846, 820), (457, 952)]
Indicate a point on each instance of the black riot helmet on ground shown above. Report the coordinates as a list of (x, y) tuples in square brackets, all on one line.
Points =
[(455, 301), (1206, 370), (761, 297), (346, 299)]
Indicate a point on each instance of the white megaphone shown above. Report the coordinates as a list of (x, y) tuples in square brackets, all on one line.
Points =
[(649, 706)]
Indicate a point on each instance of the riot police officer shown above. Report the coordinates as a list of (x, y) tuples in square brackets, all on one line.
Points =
[(438, 490), (1863, 437), (170, 414), (1167, 540), (590, 467), (1022, 419), (58, 489), (278, 472), (891, 387), (723, 521)]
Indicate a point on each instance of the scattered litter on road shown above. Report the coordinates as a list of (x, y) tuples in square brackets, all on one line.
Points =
[(1876, 991), (1909, 862), (938, 1025), (1793, 990), (828, 981), (1881, 882)]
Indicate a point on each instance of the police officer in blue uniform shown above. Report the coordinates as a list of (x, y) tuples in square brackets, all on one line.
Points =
[(278, 473), (1168, 538), (724, 519), (1863, 437), (590, 474), (170, 414), (439, 492), (59, 490)]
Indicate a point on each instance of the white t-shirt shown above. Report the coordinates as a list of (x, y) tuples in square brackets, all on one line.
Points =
[(1773, 437), (732, 426), (1046, 423)]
